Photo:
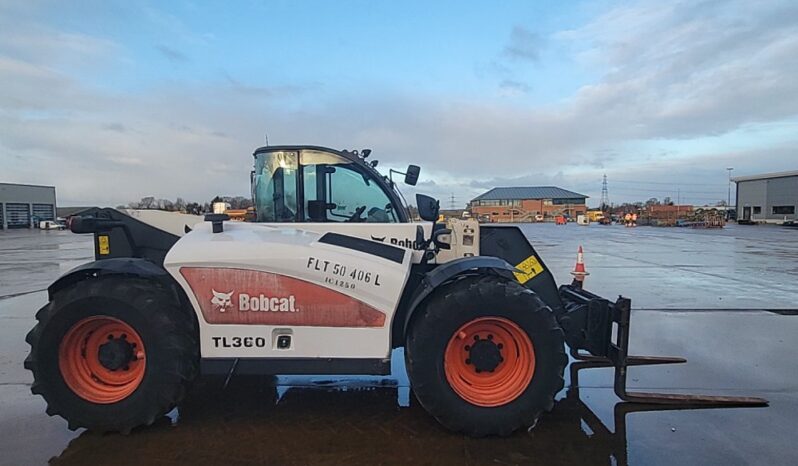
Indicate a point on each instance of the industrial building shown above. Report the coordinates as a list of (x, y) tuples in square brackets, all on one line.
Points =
[(527, 204), (24, 205), (767, 198)]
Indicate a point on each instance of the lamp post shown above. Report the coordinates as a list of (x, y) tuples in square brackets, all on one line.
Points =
[(728, 199)]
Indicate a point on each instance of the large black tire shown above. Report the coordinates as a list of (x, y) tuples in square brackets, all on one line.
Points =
[(170, 338), (458, 304)]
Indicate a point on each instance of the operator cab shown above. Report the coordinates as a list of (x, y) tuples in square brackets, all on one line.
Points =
[(316, 184)]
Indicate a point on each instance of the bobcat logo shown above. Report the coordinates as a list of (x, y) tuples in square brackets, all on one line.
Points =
[(221, 301)]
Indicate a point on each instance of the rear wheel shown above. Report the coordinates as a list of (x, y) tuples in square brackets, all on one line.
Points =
[(113, 354), (485, 356)]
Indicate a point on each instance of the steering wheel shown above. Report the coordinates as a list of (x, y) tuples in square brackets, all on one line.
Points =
[(356, 216)]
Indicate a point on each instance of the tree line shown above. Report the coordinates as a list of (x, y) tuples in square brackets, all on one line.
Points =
[(187, 207), (638, 206)]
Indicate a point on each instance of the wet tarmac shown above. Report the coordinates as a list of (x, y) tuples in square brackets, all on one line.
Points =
[(376, 420)]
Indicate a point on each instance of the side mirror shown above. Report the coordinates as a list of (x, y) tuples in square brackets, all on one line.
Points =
[(428, 208), (411, 175)]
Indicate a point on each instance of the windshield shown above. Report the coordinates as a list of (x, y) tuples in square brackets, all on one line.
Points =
[(318, 186)]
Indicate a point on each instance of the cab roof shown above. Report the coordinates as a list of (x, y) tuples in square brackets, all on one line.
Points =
[(349, 155), (343, 153)]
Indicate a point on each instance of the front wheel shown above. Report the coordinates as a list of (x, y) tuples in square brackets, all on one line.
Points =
[(485, 356), (112, 354)]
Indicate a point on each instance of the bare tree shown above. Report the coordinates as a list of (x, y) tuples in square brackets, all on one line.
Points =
[(180, 204), (147, 203)]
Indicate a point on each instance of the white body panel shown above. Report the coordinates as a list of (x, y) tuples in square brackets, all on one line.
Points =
[(292, 250), (401, 235), (464, 240), (170, 222)]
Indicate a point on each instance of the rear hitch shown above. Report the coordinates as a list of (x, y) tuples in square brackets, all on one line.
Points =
[(588, 322)]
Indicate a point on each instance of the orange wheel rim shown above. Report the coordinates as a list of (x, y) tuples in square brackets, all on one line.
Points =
[(102, 359), (489, 361)]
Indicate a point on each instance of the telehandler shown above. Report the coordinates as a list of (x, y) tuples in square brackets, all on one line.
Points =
[(329, 278)]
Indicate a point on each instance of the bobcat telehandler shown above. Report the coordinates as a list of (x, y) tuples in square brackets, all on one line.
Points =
[(330, 277)]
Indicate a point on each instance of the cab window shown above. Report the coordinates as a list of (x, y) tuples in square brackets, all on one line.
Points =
[(351, 195), (317, 186), (274, 187), (356, 198)]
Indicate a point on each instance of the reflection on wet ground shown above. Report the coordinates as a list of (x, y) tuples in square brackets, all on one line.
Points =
[(339, 424), (376, 420), (334, 426)]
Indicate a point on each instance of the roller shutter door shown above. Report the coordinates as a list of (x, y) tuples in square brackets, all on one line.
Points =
[(1, 216), (43, 212), (18, 215)]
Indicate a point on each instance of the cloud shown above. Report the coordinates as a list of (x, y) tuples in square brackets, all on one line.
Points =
[(524, 45), (689, 69), (118, 127), (663, 74), (173, 55), (509, 87)]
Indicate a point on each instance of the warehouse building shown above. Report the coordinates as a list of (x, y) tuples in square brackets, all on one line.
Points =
[(527, 204), (768, 198), (24, 205)]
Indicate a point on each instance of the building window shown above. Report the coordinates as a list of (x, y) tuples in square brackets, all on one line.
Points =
[(757, 210), (783, 210), (580, 200)]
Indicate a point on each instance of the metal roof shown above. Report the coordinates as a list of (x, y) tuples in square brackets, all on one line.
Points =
[(765, 176), (529, 192)]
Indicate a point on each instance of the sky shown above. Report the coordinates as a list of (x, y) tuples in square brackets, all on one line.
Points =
[(113, 101)]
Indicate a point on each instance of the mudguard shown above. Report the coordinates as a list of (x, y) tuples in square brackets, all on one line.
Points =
[(121, 266), (126, 237), (509, 243), (449, 270)]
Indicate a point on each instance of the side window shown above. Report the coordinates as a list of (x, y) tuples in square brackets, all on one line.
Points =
[(274, 187), (356, 198), (347, 194)]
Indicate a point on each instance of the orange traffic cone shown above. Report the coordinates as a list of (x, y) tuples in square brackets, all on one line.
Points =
[(579, 271)]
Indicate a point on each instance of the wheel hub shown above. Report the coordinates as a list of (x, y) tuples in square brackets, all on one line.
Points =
[(116, 354), (484, 354), (489, 361)]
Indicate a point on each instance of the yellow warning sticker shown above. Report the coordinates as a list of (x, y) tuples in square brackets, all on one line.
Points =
[(104, 245), (530, 267)]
